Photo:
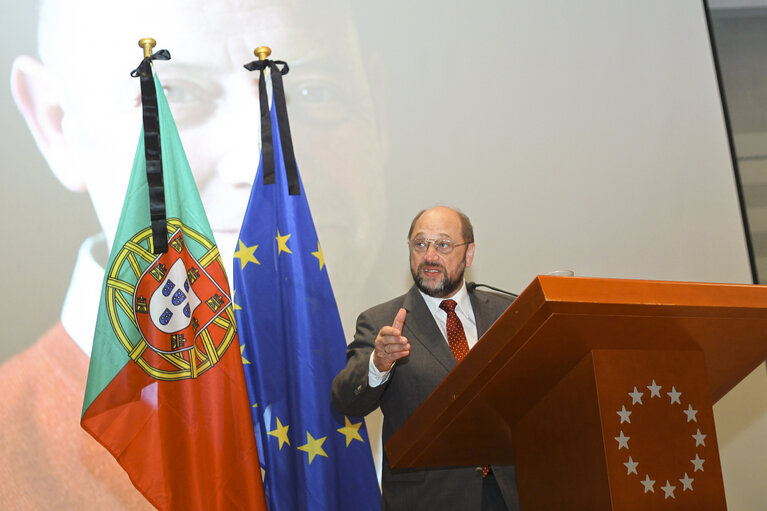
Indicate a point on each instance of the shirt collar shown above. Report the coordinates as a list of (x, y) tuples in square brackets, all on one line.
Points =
[(81, 305), (461, 298)]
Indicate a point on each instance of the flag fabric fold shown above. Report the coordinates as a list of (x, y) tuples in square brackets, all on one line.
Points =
[(166, 394), (293, 345)]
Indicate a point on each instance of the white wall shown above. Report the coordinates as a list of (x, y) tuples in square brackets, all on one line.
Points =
[(594, 142)]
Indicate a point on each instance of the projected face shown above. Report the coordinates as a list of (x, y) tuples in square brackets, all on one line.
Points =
[(84, 109)]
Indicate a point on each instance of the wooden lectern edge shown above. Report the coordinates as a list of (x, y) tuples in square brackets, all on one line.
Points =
[(551, 294), (533, 303), (733, 300), (648, 292)]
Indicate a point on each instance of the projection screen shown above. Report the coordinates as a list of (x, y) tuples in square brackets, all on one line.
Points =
[(586, 136)]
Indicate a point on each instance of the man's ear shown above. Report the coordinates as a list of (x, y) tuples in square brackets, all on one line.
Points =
[(38, 98), (469, 254)]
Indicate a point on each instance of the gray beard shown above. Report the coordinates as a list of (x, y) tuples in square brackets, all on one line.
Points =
[(445, 288)]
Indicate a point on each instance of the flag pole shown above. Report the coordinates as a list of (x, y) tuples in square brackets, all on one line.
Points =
[(147, 43), (168, 334), (262, 52), (153, 144), (290, 344), (277, 69)]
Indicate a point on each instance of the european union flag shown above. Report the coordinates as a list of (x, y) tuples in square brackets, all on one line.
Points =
[(292, 347)]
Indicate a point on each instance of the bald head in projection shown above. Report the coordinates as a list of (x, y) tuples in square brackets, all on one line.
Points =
[(83, 109)]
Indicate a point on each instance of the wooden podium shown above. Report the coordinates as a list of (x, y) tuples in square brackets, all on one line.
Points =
[(600, 390)]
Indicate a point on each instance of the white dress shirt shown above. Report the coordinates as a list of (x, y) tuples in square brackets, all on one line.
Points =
[(465, 314), (81, 305)]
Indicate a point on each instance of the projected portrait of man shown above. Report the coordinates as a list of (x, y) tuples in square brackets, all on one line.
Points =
[(84, 111)]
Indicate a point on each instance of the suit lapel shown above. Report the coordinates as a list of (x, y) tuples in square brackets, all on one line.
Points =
[(482, 314), (421, 327)]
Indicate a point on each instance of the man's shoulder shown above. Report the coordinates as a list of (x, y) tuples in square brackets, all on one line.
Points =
[(53, 350), (489, 298), (496, 300)]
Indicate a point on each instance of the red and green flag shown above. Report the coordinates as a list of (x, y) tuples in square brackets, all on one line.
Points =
[(166, 393)]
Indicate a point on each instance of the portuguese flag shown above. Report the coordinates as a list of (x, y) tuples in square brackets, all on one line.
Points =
[(166, 392)]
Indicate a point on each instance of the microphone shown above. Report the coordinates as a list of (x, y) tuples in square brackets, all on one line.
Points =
[(471, 286)]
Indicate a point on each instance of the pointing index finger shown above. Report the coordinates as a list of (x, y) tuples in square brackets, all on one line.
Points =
[(399, 320)]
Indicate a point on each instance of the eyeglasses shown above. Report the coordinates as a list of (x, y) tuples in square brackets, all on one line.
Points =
[(421, 245)]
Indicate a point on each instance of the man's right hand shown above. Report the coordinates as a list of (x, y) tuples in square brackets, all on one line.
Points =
[(390, 346)]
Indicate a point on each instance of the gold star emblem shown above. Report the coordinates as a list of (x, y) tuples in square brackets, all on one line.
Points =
[(350, 431), (245, 254), (236, 307), (281, 433), (242, 354), (313, 447), (282, 243), (318, 255)]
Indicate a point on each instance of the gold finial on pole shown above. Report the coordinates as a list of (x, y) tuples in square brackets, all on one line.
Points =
[(262, 52), (147, 43)]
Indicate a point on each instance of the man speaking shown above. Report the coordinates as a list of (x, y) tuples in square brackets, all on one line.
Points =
[(402, 350)]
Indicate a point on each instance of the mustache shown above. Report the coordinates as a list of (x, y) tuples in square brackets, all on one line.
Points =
[(436, 265)]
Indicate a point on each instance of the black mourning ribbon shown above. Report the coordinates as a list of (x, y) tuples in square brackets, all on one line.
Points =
[(153, 151), (267, 149)]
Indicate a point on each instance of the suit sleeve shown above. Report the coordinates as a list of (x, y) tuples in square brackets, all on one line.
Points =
[(351, 393)]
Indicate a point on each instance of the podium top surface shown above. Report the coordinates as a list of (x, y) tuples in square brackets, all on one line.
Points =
[(557, 321)]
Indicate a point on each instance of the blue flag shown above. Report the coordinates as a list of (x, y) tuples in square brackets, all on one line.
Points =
[(292, 347)]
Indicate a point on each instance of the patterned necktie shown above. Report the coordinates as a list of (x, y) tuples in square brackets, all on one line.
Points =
[(456, 338)]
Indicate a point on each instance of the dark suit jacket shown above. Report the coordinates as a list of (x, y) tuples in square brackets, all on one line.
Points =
[(411, 381)]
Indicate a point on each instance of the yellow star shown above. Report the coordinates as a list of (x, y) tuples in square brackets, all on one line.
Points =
[(281, 433), (313, 447), (245, 254), (351, 431), (282, 243), (242, 354), (236, 307), (318, 255)]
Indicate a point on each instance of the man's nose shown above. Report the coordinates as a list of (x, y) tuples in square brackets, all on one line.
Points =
[(238, 164), (237, 132), (431, 253)]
